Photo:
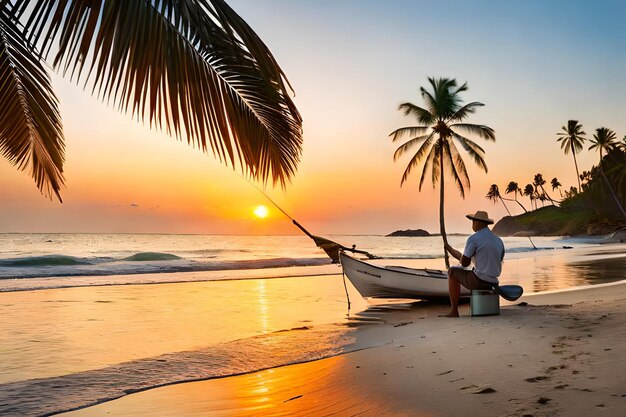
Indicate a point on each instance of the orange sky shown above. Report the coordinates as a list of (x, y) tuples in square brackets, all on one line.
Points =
[(349, 76)]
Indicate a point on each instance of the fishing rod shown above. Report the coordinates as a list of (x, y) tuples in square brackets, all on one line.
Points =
[(330, 247)]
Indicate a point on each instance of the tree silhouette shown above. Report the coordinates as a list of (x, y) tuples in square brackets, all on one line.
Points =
[(529, 191), (556, 185), (539, 182), (572, 139), (605, 140), (441, 125), (494, 195)]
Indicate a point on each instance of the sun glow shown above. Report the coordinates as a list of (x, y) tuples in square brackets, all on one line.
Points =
[(261, 212)]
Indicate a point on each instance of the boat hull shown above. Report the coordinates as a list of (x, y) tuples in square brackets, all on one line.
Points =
[(373, 281)]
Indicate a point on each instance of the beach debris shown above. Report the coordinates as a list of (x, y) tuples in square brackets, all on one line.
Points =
[(446, 372), (544, 400), (403, 323), (293, 398)]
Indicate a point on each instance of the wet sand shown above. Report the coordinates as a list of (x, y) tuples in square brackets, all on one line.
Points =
[(559, 353)]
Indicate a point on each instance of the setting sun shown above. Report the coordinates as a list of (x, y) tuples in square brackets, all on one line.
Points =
[(261, 212)]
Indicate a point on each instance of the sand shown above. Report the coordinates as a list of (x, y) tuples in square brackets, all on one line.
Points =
[(555, 354)]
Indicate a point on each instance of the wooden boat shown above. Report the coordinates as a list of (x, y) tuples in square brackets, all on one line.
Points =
[(395, 281)]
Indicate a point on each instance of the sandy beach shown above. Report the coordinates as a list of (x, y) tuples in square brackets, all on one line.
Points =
[(549, 354)]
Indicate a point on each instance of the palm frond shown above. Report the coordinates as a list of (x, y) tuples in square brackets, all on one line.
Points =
[(191, 67), (422, 115), (473, 149), (457, 167), (493, 194), (31, 135), (432, 160), (483, 131), (410, 131), (442, 102), (407, 146), (465, 111), (414, 162)]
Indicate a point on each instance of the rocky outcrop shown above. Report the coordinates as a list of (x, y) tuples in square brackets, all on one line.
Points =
[(410, 233)]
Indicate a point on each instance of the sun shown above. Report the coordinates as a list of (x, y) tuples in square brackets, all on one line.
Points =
[(261, 212)]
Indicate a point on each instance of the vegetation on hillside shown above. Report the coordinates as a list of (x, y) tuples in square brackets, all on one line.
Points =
[(596, 206)]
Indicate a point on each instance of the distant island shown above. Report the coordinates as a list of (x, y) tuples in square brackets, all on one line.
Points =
[(411, 233)]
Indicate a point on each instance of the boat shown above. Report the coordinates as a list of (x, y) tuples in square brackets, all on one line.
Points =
[(373, 281)]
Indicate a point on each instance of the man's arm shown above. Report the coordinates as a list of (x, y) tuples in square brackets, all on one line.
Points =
[(465, 261)]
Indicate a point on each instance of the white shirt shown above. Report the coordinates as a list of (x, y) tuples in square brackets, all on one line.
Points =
[(488, 251)]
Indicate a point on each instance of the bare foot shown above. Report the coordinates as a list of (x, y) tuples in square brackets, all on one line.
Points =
[(450, 314)]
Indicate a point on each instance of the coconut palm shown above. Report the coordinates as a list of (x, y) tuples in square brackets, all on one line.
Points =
[(441, 125), (494, 195), (605, 140), (513, 187), (529, 191), (539, 182), (193, 68), (572, 139)]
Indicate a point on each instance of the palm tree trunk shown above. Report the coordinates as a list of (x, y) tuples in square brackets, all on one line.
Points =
[(547, 195), (576, 165), (442, 225), (507, 210), (505, 207), (608, 184), (520, 204)]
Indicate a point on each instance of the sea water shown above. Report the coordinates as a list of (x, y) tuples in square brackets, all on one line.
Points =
[(79, 325), (73, 255)]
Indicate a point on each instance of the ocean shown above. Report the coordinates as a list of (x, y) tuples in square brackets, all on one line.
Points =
[(133, 255), (81, 325)]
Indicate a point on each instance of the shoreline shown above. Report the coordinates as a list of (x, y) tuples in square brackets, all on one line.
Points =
[(561, 354)]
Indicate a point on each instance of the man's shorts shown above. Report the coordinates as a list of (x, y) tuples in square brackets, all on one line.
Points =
[(469, 280)]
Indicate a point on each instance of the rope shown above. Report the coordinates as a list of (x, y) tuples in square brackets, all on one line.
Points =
[(343, 273)]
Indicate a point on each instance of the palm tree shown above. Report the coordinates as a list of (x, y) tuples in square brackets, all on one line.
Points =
[(193, 68), (604, 140), (494, 195), (539, 182), (556, 185), (572, 139), (513, 187), (529, 191), (439, 125)]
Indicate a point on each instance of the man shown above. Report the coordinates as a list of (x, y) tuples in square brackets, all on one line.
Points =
[(487, 250)]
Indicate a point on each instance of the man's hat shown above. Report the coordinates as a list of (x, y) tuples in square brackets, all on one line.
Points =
[(481, 216)]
